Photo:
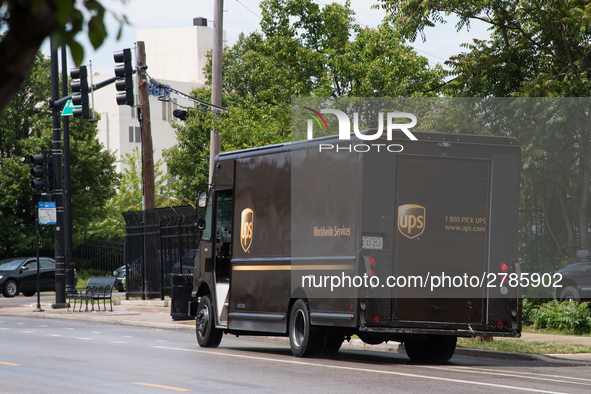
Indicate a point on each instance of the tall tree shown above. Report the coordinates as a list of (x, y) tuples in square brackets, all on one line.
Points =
[(303, 49), (27, 23), (111, 226), (25, 129), (535, 49)]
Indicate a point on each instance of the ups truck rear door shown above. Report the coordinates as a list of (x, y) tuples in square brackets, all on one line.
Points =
[(441, 227), (436, 220)]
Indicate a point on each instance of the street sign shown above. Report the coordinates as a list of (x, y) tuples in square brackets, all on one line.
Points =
[(47, 212), (69, 108)]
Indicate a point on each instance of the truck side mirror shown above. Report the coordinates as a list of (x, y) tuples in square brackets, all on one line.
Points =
[(202, 200), (201, 224)]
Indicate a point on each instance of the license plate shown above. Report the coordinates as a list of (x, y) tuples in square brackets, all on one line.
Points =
[(372, 242)]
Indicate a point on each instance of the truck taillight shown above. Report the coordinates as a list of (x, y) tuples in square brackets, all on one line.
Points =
[(372, 260), (373, 272), (504, 267)]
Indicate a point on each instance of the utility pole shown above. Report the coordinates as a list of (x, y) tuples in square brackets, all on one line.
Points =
[(216, 78), (151, 271), (60, 266), (146, 127)]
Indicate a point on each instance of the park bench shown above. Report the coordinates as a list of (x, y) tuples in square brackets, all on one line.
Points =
[(98, 288)]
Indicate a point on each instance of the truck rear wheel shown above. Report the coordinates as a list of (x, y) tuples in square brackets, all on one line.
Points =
[(332, 341), (207, 334), (303, 337), (433, 349)]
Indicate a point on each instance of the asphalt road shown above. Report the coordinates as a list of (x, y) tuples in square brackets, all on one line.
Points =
[(57, 356)]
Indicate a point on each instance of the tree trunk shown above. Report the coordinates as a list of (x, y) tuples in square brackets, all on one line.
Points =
[(567, 220), (556, 241), (584, 182)]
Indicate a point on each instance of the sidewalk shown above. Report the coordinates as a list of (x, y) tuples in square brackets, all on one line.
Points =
[(156, 314)]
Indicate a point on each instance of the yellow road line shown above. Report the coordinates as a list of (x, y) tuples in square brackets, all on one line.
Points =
[(162, 387), (14, 365)]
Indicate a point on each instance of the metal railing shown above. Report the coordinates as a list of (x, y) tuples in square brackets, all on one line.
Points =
[(98, 255), (156, 242)]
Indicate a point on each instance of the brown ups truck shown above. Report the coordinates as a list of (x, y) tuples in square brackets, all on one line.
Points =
[(398, 240)]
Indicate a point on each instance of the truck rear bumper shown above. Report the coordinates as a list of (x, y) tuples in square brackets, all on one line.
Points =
[(435, 331)]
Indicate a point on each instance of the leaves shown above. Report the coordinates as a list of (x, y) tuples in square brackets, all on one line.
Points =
[(533, 50), (569, 317), (303, 49), (26, 129)]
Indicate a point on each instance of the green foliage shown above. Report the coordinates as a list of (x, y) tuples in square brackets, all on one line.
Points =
[(568, 317), (532, 51), (529, 305), (128, 197), (25, 129), (303, 50), (69, 18)]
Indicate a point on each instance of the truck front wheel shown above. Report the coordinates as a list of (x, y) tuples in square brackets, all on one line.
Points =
[(303, 337), (207, 334), (433, 349)]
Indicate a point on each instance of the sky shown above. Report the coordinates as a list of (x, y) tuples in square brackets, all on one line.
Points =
[(242, 16)]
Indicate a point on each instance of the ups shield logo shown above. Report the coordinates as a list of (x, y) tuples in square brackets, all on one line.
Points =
[(246, 227), (411, 220)]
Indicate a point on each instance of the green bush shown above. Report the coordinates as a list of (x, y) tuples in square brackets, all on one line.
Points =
[(569, 317), (530, 304), (86, 274)]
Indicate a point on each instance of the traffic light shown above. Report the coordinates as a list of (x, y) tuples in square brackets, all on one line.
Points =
[(80, 86), (42, 172), (181, 114), (124, 71)]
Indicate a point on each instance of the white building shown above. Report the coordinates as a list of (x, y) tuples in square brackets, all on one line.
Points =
[(175, 57)]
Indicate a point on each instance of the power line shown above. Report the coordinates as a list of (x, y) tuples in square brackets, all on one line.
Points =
[(254, 13)]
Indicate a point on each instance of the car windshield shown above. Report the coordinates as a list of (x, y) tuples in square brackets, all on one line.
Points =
[(10, 264)]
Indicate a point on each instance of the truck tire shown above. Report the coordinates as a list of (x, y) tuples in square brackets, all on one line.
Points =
[(434, 349), (570, 294), (369, 338), (332, 341), (303, 337), (207, 334)]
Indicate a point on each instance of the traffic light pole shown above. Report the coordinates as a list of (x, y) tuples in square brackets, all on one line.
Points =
[(60, 266), (68, 258), (64, 269)]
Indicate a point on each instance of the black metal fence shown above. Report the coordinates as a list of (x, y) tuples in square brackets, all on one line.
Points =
[(104, 256), (156, 241)]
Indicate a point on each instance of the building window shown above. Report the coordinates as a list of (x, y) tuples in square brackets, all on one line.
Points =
[(138, 134), (164, 110), (132, 112), (130, 133), (169, 110)]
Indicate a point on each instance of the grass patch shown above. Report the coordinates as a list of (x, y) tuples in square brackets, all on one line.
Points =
[(531, 329), (521, 346)]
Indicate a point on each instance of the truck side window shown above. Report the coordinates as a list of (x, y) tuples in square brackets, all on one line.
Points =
[(224, 222), (206, 235)]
